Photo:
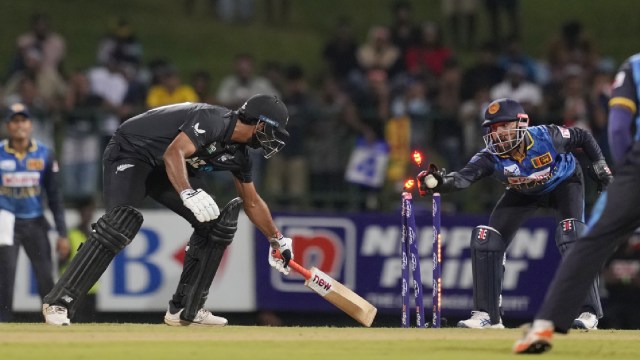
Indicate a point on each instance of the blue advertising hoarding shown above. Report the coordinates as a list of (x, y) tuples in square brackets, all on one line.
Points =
[(363, 252)]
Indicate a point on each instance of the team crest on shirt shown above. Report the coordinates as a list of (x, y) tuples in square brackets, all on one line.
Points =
[(541, 160), (35, 164)]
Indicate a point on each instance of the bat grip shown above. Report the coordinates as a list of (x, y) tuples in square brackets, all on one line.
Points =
[(297, 267), (300, 269)]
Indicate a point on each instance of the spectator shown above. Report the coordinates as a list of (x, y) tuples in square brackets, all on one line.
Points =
[(332, 133), (461, 15), (236, 88), (81, 149), (29, 170), (287, 175), (572, 47), (48, 43), (109, 83), (120, 45), (339, 53), (170, 89), (427, 58), (233, 91), (510, 10), (515, 86), (404, 33), (373, 106), (50, 84), (378, 52), (513, 54), (484, 73), (201, 84)]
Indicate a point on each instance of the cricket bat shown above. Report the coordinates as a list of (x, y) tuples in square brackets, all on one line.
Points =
[(337, 294)]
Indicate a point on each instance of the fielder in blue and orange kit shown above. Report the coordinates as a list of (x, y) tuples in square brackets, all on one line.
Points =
[(28, 170), (619, 219), (538, 170)]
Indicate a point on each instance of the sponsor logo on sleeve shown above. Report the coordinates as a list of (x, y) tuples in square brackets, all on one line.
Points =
[(565, 132)]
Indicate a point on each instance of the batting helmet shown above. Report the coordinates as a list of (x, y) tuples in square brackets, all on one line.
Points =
[(271, 111), (503, 110)]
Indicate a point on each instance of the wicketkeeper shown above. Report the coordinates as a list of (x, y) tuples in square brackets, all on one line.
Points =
[(162, 153), (538, 170)]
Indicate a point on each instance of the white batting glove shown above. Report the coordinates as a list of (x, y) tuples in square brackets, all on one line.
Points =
[(285, 245), (201, 204)]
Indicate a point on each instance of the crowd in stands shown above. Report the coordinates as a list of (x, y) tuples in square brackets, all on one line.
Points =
[(403, 72)]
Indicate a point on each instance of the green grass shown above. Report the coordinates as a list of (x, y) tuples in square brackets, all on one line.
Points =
[(140, 341), (200, 41)]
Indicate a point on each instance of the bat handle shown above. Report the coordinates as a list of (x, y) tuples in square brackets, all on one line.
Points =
[(300, 269), (297, 267)]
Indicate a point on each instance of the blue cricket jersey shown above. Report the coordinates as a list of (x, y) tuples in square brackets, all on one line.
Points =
[(23, 179)]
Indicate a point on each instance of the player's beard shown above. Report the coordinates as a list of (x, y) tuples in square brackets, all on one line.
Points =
[(254, 143)]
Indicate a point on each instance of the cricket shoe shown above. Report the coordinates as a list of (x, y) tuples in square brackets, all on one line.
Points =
[(203, 318), (586, 321), (536, 338), (55, 315), (479, 320)]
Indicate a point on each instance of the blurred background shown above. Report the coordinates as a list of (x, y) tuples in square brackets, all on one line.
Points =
[(366, 82)]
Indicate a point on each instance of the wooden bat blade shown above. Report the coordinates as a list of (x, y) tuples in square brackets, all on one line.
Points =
[(337, 294)]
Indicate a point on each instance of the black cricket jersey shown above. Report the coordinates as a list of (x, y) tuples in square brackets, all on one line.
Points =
[(147, 136)]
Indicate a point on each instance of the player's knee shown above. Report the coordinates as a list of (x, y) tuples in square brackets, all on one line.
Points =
[(567, 232), (117, 228), (486, 238)]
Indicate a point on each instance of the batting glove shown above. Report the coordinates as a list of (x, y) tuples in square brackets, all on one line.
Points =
[(201, 204), (285, 246)]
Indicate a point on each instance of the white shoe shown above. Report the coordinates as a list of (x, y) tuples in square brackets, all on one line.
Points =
[(479, 320), (55, 315), (586, 321), (203, 318)]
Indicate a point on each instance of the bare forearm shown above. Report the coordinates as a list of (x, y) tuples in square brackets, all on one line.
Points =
[(176, 170), (260, 216)]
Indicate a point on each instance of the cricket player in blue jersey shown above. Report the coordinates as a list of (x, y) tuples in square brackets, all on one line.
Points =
[(28, 170), (619, 219), (538, 170)]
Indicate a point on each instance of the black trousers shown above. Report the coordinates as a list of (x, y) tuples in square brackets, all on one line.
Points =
[(513, 208), (32, 235), (621, 216)]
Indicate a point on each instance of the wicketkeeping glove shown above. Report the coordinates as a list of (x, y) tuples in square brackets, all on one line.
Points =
[(423, 187), (285, 245), (602, 174), (201, 204)]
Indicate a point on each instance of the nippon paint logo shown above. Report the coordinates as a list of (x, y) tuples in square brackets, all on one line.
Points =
[(326, 243)]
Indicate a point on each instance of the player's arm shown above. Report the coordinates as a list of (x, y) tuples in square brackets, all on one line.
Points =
[(51, 185), (175, 161), (622, 108), (478, 167), (255, 208), (259, 214), (568, 139), (198, 201)]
